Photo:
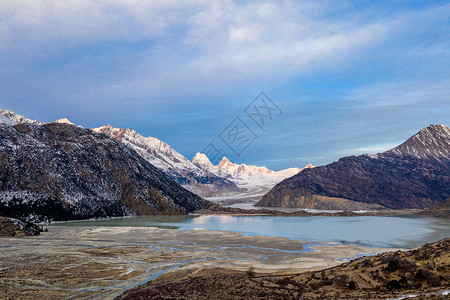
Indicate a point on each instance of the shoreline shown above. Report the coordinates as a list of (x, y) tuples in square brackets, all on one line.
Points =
[(217, 210), (265, 212)]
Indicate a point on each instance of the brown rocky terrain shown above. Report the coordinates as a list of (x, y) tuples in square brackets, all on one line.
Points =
[(16, 228), (439, 211), (424, 272)]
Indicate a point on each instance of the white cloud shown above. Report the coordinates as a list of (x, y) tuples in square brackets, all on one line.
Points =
[(206, 37), (167, 45)]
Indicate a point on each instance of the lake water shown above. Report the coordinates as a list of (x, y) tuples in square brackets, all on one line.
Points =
[(392, 232)]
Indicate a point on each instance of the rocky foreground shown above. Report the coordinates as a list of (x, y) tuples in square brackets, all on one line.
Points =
[(424, 272), (15, 228)]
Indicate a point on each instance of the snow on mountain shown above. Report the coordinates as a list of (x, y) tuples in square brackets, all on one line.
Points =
[(64, 172), (63, 121), (245, 175), (11, 118), (5, 120), (430, 142), (158, 153), (252, 181), (202, 161), (165, 158)]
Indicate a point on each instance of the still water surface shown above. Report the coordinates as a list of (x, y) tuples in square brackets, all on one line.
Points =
[(396, 231)]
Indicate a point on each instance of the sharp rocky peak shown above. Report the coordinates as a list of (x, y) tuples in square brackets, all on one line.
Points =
[(430, 142), (224, 162), (201, 159)]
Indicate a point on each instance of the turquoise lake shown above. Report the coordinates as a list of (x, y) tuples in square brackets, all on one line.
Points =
[(393, 232)]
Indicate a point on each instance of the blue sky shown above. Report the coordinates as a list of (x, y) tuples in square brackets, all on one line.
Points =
[(351, 77)]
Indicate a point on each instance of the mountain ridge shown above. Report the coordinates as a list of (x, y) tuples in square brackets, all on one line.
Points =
[(407, 176), (169, 161), (430, 142)]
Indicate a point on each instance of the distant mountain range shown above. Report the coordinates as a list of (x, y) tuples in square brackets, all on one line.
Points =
[(165, 158), (416, 174), (199, 175), (253, 181), (60, 171), (244, 175)]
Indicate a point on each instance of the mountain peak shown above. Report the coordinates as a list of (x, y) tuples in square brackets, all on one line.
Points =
[(63, 121), (430, 142), (309, 166), (223, 162), (11, 118), (201, 159)]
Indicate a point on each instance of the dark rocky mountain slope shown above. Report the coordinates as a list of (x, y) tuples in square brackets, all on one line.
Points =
[(62, 172), (415, 174)]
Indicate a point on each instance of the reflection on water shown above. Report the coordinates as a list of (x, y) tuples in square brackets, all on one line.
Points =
[(397, 232), (220, 219)]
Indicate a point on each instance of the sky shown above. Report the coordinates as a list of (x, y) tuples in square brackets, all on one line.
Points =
[(347, 77)]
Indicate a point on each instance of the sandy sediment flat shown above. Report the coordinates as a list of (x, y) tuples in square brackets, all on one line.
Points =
[(99, 262)]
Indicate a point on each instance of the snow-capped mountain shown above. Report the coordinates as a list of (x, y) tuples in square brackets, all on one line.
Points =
[(165, 158), (245, 174), (63, 121), (199, 176), (252, 181), (9, 117)]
